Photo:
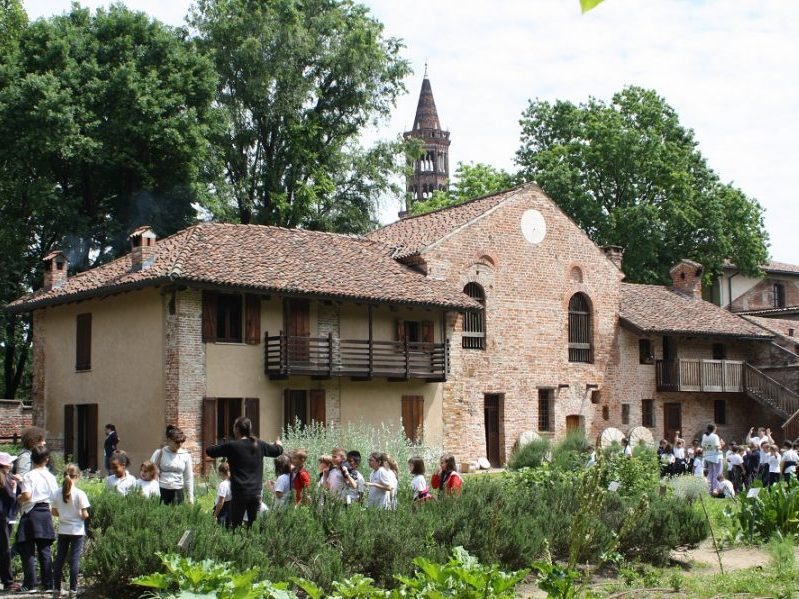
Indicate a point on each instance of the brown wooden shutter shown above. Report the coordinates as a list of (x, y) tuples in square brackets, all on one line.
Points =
[(252, 319), (317, 407), (83, 342), (428, 332), (401, 330), (208, 428), (252, 410), (287, 411), (69, 433), (412, 415), (91, 436), (209, 315)]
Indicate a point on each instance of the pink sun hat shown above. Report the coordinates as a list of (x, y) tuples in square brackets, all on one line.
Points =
[(6, 459)]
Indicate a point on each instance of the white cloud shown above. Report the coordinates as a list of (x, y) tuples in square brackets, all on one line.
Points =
[(727, 66)]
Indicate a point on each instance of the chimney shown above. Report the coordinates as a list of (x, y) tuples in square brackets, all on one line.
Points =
[(55, 270), (615, 254), (686, 277), (142, 248)]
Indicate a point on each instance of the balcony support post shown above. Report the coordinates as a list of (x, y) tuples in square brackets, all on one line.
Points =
[(330, 354), (371, 342)]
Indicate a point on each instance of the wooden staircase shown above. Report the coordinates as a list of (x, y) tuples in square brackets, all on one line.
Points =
[(775, 396)]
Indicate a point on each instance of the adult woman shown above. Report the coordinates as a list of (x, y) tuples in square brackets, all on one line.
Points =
[(245, 456), (175, 467), (381, 482), (446, 478), (711, 450), (32, 436)]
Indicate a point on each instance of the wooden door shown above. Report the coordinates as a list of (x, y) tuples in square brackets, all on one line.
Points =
[(298, 329), (573, 423), (672, 420), (492, 428), (86, 444)]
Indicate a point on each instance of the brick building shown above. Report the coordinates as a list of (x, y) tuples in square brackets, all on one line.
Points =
[(774, 295), (472, 325)]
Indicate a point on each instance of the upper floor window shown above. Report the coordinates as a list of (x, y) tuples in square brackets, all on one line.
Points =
[(779, 295), (83, 342), (646, 354), (580, 334), (474, 321), (231, 317)]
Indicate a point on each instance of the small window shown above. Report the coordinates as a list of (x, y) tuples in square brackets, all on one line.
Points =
[(474, 321), (83, 342), (413, 417), (645, 353), (302, 407), (605, 413), (648, 413), (580, 332), (719, 351), (779, 295), (720, 411), (625, 413), (229, 317), (546, 404)]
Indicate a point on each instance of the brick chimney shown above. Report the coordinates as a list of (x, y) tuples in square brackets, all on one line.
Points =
[(686, 277), (55, 270), (142, 248), (615, 254)]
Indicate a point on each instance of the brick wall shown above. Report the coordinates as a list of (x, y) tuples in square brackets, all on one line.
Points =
[(761, 296), (38, 365), (14, 417)]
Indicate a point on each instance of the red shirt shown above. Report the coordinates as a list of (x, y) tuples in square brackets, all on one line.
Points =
[(300, 481), (454, 483)]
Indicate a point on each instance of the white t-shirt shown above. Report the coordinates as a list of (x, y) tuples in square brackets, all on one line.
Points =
[(763, 457), (121, 485), (679, 453), (148, 488), (69, 520), (774, 462), (40, 484), (790, 455), (735, 459), (283, 486), (380, 498), (335, 481), (223, 490), (699, 467), (353, 495), (711, 447), (755, 441), (418, 484), (628, 451), (727, 488)]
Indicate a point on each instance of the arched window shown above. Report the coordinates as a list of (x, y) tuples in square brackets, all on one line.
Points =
[(580, 335), (474, 321)]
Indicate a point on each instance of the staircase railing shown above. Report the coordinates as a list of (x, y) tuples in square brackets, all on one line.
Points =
[(765, 389)]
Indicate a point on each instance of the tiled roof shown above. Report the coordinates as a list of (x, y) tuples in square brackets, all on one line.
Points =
[(770, 311), (655, 309), (290, 261), (779, 326), (773, 267), (412, 234)]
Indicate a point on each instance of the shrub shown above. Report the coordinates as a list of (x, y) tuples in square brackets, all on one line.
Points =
[(688, 488), (775, 510), (570, 453), (636, 475), (529, 455)]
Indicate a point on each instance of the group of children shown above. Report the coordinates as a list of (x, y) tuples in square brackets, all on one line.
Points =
[(339, 478)]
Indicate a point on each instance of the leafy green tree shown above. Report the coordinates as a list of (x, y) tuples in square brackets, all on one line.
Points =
[(105, 120), (13, 20), (630, 175), (299, 82), (470, 181)]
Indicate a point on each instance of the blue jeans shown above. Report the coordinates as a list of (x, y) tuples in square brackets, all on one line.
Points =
[(28, 551), (74, 545)]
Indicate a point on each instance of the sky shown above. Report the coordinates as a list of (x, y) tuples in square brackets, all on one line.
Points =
[(728, 67)]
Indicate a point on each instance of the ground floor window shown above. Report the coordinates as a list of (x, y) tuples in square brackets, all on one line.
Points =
[(720, 411), (625, 413), (303, 406), (219, 414), (546, 410), (80, 435), (648, 413)]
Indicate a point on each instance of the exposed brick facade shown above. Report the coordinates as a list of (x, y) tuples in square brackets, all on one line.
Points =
[(38, 364), (761, 296), (14, 417)]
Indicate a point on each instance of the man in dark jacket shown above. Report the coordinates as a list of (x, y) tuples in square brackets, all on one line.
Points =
[(110, 444)]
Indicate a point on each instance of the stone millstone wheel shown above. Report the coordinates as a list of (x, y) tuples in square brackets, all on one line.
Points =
[(640, 434), (609, 436), (528, 437)]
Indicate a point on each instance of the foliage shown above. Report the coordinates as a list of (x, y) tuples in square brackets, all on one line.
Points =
[(558, 582), (631, 175), (469, 181), (571, 453), (529, 455), (637, 474), (298, 83), (688, 488), (773, 511), (586, 5), (13, 20)]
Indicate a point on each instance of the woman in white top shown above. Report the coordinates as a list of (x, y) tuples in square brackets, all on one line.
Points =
[(380, 482), (35, 533), (711, 450), (175, 467), (71, 506), (120, 480)]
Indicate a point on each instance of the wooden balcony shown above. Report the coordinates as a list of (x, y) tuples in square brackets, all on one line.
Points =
[(710, 376), (360, 359)]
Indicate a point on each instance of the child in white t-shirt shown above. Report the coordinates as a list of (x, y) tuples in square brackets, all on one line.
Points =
[(421, 491), (148, 480), (699, 463), (120, 480), (281, 488), (774, 465), (790, 459), (725, 488), (223, 495), (355, 494), (70, 505)]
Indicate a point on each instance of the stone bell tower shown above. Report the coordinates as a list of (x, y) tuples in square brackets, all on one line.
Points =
[(431, 170)]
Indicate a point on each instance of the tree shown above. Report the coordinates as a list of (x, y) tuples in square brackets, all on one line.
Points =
[(13, 20), (630, 175), (470, 181), (105, 121), (299, 82)]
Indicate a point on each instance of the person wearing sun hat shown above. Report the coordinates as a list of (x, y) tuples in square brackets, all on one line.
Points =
[(8, 513)]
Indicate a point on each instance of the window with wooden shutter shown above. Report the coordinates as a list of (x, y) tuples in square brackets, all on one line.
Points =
[(295, 407), (648, 413), (474, 321), (208, 429), (92, 455), (83, 342), (252, 410), (317, 409), (209, 315), (227, 410), (428, 331), (580, 332), (229, 318), (252, 319), (69, 433), (413, 416)]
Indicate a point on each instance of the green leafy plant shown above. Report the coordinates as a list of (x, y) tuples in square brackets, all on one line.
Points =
[(529, 455), (774, 510)]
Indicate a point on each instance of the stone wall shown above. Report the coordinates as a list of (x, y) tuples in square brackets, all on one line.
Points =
[(14, 417)]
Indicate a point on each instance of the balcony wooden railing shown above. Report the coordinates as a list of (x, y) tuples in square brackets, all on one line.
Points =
[(774, 394), (714, 376), (325, 357)]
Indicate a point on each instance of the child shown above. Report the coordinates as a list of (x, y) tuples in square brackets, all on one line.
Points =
[(282, 486), (446, 478), (379, 482), (35, 532), (324, 464), (790, 457), (300, 479), (679, 456), (148, 480), (223, 495), (751, 464), (763, 470), (698, 463), (774, 465), (735, 467), (355, 494), (667, 461), (724, 489), (393, 469), (71, 506), (120, 480), (8, 513), (626, 448), (418, 483)]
